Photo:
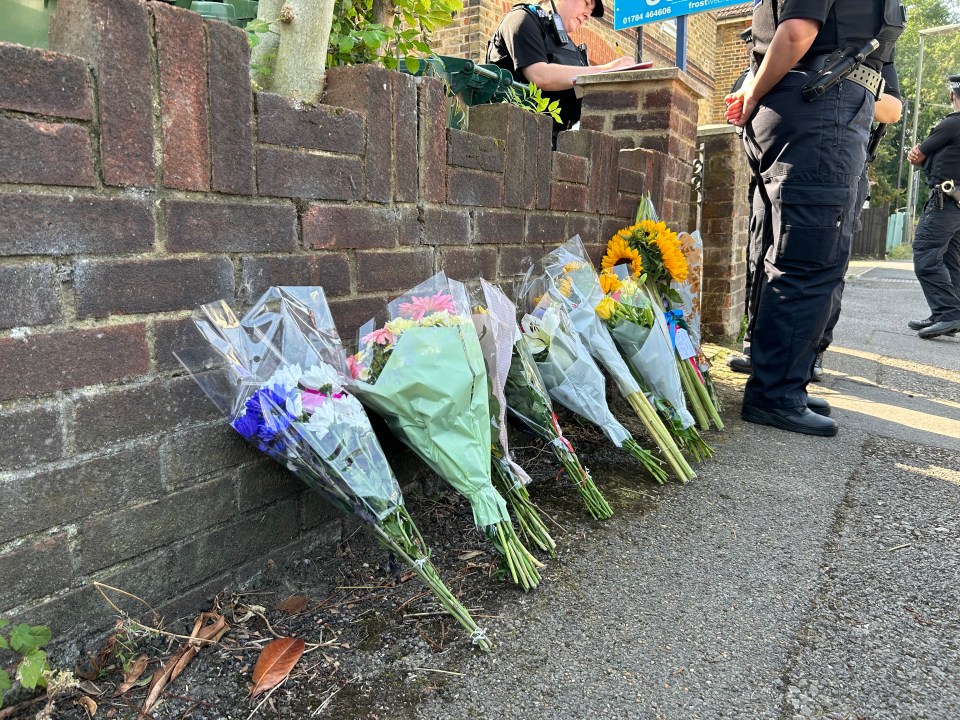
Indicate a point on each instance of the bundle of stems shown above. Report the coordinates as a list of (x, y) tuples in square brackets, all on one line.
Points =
[(661, 436), (524, 568), (522, 509)]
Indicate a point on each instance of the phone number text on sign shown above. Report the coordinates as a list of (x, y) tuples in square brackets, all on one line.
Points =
[(630, 13)]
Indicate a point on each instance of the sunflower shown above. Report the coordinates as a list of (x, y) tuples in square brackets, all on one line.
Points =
[(671, 255), (572, 266), (565, 286), (609, 282), (619, 251)]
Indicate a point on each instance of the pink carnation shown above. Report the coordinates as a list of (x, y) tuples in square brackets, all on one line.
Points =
[(381, 336), (420, 307)]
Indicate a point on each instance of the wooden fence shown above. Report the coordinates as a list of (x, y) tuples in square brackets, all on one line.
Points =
[(871, 241)]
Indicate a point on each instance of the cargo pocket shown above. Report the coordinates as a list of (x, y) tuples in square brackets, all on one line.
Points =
[(811, 223)]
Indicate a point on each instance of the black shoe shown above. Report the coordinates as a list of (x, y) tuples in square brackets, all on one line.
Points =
[(944, 327), (740, 364), (818, 367), (818, 405), (921, 324), (798, 421)]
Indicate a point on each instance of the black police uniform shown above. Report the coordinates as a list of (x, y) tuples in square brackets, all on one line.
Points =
[(936, 245), (808, 158), (527, 35)]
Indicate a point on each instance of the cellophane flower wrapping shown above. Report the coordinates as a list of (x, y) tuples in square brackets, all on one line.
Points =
[(423, 371), (276, 375), (689, 291)]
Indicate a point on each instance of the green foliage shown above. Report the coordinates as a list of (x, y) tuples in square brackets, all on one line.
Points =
[(532, 99), (359, 36), (901, 252), (32, 669)]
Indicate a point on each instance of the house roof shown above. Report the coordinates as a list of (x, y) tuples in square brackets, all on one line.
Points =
[(735, 11)]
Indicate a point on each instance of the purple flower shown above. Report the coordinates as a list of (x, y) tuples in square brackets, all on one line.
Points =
[(266, 428)]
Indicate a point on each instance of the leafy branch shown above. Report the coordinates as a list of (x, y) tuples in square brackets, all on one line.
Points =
[(532, 99)]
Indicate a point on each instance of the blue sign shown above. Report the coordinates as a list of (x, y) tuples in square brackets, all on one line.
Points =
[(630, 13)]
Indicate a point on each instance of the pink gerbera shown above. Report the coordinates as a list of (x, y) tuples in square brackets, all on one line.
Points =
[(381, 336), (420, 307), (355, 367)]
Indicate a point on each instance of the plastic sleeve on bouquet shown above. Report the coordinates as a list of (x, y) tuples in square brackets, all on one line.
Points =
[(433, 397)]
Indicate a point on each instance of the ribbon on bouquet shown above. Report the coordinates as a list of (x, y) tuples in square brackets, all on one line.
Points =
[(675, 320)]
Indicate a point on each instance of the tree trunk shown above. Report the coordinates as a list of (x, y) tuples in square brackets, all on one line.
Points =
[(264, 54)]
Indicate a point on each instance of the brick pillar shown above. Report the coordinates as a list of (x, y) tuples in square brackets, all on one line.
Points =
[(725, 230), (654, 110)]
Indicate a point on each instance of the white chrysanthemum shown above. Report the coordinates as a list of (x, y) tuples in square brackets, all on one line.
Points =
[(319, 375), (400, 325), (286, 376)]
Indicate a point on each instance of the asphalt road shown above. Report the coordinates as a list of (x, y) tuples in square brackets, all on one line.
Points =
[(796, 577)]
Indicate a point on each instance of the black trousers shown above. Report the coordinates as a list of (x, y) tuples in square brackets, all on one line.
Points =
[(807, 158), (936, 258)]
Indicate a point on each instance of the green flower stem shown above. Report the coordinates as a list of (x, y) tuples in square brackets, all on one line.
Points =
[(596, 503), (690, 390), (695, 444), (522, 566), (522, 509), (705, 397), (661, 436), (647, 459)]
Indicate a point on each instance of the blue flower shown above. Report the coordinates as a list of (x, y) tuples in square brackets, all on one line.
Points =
[(268, 427)]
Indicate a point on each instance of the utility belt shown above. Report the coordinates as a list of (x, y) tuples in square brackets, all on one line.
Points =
[(948, 189), (843, 64)]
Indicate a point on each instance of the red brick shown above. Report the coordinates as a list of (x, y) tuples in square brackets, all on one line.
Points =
[(587, 227), (31, 295), (474, 152), (568, 197), (632, 181), (60, 225), (114, 37), (285, 121), (181, 53), (610, 226), (335, 227), (446, 226), (508, 123), (230, 227), (544, 156), (433, 140), (570, 168), (604, 171), (549, 229), (44, 83), (409, 227), (614, 99), (329, 270), (491, 226), (393, 269), (406, 156), (30, 436), (109, 287), (45, 153), (471, 187), (231, 110), (288, 173), (468, 263), (350, 315), (45, 363), (517, 260), (168, 337), (203, 452)]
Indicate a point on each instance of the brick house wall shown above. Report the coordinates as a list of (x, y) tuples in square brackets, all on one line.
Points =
[(139, 178)]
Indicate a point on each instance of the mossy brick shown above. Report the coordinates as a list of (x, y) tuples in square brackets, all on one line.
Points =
[(285, 121), (330, 270), (569, 197), (444, 225), (499, 227), (130, 287), (31, 295), (48, 362), (67, 225), (231, 110), (34, 570), (351, 314), (516, 260), (114, 37), (116, 535), (30, 436), (432, 104), (546, 228), (191, 454), (44, 83), (53, 497), (116, 415), (294, 174), (406, 150), (467, 263), (338, 227), (393, 269), (475, 152), (184, 118), (264, 482), (197, 226), (571, 168), (43, 153), (472, 187)]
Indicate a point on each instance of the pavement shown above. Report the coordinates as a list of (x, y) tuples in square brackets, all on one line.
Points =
[(796, 577)]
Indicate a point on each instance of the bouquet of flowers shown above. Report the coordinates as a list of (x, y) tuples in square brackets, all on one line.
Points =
[(650, 248), (525, 396), (572, 378), (422, 370), (275, 374), (494, 318), (567, 277)]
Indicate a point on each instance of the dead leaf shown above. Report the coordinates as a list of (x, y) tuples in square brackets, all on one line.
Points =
[(133, 674), (293, 605), (276, 660), (469, 555), (87, 704), (90, 688)]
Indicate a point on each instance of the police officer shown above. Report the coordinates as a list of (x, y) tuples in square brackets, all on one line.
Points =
[(807, 150), (533, 43), (936, 245)]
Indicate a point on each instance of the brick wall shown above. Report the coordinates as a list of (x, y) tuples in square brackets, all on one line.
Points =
[(731, 60), (139, 178)]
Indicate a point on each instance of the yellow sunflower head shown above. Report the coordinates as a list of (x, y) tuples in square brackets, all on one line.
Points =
[(609, 282), (618, 252), (565, 286), (572, 266)]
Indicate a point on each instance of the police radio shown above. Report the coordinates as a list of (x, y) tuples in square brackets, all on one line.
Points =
[(556, 24)]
